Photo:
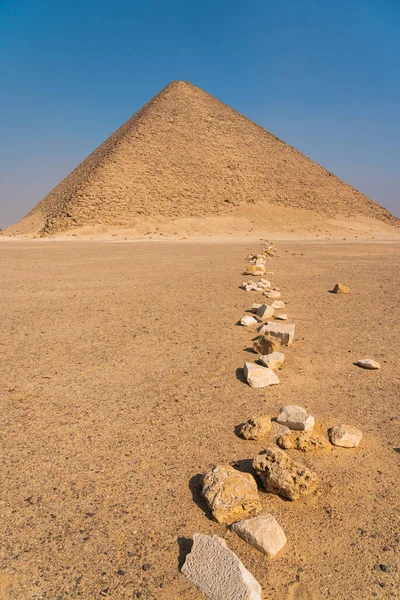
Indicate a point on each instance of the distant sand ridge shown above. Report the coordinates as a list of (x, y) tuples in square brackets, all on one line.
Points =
[(185, 155)]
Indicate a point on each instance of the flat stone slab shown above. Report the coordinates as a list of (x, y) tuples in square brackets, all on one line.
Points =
[(217, 572), (248, 320), (295, 417), (277, 304), (259, 377), (368, 363), (230, 494), (262, 532), (345, 436), (281, 317), (274, 360), (283, 331), (273, 294), (281, 475)]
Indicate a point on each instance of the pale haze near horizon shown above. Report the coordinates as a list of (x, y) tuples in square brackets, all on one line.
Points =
[(323, 79)]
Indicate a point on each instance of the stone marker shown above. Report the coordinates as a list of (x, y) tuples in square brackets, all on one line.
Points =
[(279, 474), (278, 304), (251, 270), (340, 289), (283, 331), (265, 311), (263, 532), (345, 436), (217, 572), (273, 294), (281, 317), (230, 494), (251, 287), (247, 320), (256, 428), (274, 360), (255, 307), (302, 440), (368, 363), (266, 344), (259, 377), (295, 417), (265, 282)]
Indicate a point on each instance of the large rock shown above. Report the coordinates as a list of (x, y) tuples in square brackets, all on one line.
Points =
[(265, 311), (345, 436), (302, 440), (284, 332), (341, 289), (262, 532), (368, 363), (217, 572), (281, 475), (266, 344), (259, 377), (256, 428), (274, 360), (230, 494), (248, 320), (295, 417)]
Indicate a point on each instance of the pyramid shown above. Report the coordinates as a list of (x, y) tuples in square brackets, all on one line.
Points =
[(186, 154)]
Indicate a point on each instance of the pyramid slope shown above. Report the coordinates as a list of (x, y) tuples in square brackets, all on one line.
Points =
[(185, 154)]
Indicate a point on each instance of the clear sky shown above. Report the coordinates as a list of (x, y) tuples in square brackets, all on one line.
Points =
[(323, 75)]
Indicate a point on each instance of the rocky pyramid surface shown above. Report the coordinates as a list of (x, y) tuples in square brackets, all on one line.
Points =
[(186, 154)]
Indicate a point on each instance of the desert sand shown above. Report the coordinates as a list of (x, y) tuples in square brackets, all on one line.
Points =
[(121, 384)]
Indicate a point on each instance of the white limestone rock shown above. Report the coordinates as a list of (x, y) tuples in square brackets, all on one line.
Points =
[(345, 436), (260, 262), (295, 417), (248, 320), (281, 317), (265, 311), (274, 360), (262, 532), (368, 363), (259, 377), (217, 572), (273, 294), (283, 331), (277, 304)]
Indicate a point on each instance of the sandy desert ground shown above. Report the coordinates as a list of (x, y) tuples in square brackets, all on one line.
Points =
[(120, 386)]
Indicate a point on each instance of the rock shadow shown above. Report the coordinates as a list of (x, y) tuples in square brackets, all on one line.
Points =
[(195, 486), (237, 429), (240, 375), (185, 547)]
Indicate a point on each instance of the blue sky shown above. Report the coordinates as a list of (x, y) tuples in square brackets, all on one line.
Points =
[(321, 75)]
